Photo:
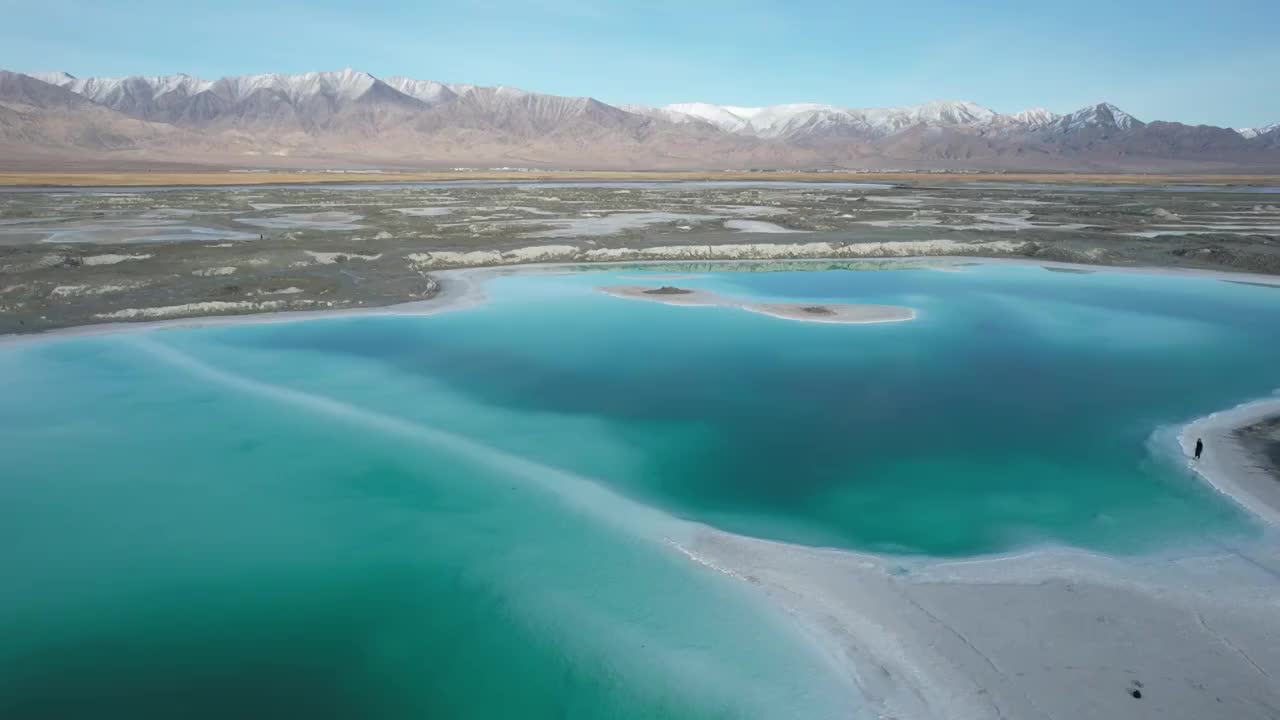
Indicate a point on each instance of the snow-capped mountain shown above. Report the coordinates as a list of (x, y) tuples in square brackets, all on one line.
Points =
[(353, 114), (345, 85), (940, 112), (1251, 133), (57, 77), (182, 99), (109, 91), (1102, 115), (1036, 117), (782, 120), (428, 91), (725, 117), (801, 120)]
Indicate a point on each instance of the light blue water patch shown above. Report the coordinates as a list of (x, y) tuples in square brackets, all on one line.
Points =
[(175, 526)]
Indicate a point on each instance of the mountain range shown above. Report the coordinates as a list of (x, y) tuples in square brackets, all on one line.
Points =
[(353, 119)]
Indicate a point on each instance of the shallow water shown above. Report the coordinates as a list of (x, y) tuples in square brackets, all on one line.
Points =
[(330, 220), (128, 230), (468, 515), (758, 226)]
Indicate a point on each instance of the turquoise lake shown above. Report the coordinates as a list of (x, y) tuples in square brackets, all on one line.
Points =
[(466, 515)]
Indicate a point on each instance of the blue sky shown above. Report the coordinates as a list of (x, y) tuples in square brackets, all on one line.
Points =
[(1198, 62)]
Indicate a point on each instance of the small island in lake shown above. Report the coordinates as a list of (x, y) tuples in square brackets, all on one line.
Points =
[(826, 312)]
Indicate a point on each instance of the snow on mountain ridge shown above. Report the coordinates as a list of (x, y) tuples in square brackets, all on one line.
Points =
[(804, 118), (182, 82), (957, 112), (57, 77), (345, 84), (1104, 115), (1034, 117), (722, 116), (784, 120), (776, 120), (428, 91), (99, 89), (1251, 133)]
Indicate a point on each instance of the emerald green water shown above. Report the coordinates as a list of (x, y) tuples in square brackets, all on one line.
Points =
[(466, 515)]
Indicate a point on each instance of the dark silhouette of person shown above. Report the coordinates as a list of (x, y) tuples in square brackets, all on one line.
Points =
[(1199, 447)]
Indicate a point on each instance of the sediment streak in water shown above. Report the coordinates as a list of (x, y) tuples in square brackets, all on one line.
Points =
[(586, 496)]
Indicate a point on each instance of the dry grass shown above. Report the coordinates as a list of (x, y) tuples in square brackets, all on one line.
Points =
[(123, 179)]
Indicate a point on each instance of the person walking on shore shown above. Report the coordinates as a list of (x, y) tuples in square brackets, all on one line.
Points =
[(1199, 447)]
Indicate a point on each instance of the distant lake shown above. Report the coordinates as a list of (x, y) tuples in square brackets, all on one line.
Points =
[(470, 515)]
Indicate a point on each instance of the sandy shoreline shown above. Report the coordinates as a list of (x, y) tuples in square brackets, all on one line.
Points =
[(1049, 632), (1227, 465), (461, 289)]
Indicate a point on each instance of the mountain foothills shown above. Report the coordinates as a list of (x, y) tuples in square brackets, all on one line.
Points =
[(351, 119)]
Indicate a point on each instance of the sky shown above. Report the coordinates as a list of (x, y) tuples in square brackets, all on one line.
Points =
[(1195, 62)]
